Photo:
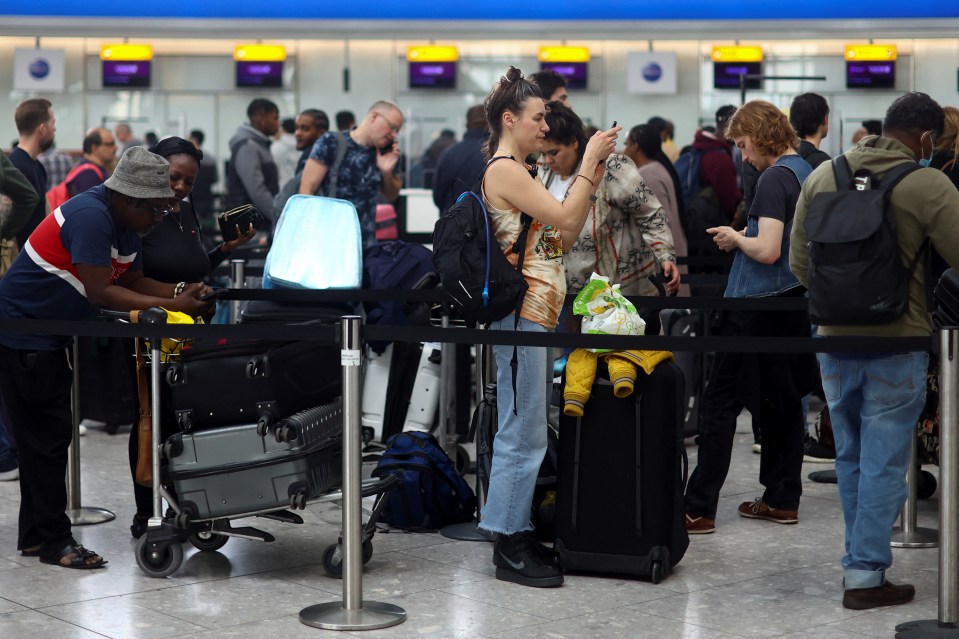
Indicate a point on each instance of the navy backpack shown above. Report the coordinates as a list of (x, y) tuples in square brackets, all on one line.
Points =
[(430, 494)]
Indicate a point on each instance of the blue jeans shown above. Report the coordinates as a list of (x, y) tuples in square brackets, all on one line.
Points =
[(520, 443), (874, 404)]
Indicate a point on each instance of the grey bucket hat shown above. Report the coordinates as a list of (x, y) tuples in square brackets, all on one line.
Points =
[(142, 175)]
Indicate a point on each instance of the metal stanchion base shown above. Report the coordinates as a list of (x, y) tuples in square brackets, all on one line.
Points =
[(468, 531), (918, 538), (929, 628), (88, 516), (824, 477), (333, 616)]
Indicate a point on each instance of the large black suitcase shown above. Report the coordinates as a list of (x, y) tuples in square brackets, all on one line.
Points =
[(252, 381), (683, 322), (622, 468), (232, 470)]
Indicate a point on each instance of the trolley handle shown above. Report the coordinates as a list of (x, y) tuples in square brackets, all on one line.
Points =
[(151, 316)]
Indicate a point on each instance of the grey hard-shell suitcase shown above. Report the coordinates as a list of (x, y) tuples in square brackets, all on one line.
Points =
[(232, 470)]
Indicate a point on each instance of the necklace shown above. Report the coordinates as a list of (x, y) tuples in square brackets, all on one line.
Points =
[(178, 219)]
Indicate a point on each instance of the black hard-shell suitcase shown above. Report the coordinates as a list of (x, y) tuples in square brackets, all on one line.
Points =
[(232, 470), (683, 322), (252, 381), (622, 468)]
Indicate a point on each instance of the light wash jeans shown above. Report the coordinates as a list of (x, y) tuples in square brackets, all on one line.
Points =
[(874, 404), (520, 443)]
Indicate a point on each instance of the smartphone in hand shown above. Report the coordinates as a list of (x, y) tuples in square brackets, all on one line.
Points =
[(212, 294)]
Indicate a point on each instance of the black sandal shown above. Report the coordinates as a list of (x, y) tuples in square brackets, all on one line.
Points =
[(79, 560)]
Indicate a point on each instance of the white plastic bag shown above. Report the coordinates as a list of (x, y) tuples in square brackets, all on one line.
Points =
[(605, 311)]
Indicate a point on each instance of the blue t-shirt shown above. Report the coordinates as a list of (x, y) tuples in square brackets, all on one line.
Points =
[(359, 180), (43, 282)]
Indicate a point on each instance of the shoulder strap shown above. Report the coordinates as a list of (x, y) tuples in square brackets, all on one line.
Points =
[(842, 172), (334, 172), (891, 178), (80, 168)]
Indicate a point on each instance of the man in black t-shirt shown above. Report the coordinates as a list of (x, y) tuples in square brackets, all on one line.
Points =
[(37, 127), (809, 116)]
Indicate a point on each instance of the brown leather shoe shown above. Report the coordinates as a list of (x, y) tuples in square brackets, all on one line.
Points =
[(761, 510), (887, 594), (699, 525)]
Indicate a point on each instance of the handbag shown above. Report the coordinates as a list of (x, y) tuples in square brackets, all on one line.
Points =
[(243, 216), (144, 470)]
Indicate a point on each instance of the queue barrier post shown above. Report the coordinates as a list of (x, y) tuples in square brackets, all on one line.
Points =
[(947, 623), (352, 613), (908, 534), (79, 515), (237, 280)]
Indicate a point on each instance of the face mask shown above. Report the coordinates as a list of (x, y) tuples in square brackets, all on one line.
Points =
[(924, 162)]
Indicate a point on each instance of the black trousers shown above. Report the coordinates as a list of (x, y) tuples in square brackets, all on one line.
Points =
[(36, 391), (780, 419)]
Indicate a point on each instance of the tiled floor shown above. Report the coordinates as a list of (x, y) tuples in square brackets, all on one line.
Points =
[(749, 579)]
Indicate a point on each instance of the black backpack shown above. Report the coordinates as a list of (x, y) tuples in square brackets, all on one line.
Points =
[(856, 275), (473, 270)]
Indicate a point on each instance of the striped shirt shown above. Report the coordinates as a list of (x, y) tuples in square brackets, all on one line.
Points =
[(44, 283)]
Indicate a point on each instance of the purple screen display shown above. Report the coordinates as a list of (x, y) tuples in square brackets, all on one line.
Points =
[(726, 74), (575, 73), (871, 75), (118, 73), (259, 74), (432, 75)]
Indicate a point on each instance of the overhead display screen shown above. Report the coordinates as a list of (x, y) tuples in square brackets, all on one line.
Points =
[(259, 74), (726, 74), (575, 73), (432, 75), (871, 75), (120, 73)]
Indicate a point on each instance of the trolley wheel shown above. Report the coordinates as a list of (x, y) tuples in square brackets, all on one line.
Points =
[(156, 561), (656, 572), (206, 541), (182, 520), (926, 484), (367, 551), (462, 460), (262, 426), (333, 561)]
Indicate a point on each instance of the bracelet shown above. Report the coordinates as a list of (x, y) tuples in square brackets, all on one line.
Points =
[(580, 175), (178, 289)]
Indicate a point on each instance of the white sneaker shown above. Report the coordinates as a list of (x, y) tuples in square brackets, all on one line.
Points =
[(757, 448), (10, 475), (82, 430)]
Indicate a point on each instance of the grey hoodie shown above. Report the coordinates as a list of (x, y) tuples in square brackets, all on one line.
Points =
[(252, 176)]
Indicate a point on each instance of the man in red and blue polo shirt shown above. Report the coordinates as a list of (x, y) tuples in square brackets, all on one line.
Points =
[(84, 255)]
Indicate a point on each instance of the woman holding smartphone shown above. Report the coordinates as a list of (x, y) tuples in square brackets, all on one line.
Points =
[(173, 252), (516, 116)]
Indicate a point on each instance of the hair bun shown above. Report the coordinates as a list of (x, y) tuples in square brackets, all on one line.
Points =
[(514, 74)]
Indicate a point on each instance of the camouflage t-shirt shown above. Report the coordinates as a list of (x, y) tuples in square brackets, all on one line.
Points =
[(359, 179)]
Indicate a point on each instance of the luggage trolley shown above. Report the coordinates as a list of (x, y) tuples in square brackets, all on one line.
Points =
[(300, 454)]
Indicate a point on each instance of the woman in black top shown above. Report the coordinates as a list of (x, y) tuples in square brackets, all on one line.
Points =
[(173, 252)]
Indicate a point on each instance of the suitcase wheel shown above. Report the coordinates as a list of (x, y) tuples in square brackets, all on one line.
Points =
[(173, 375), (256, 367), (263, 426), (298, 500), (286, 433), (184, 422), (172, 448), (656, 572)]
